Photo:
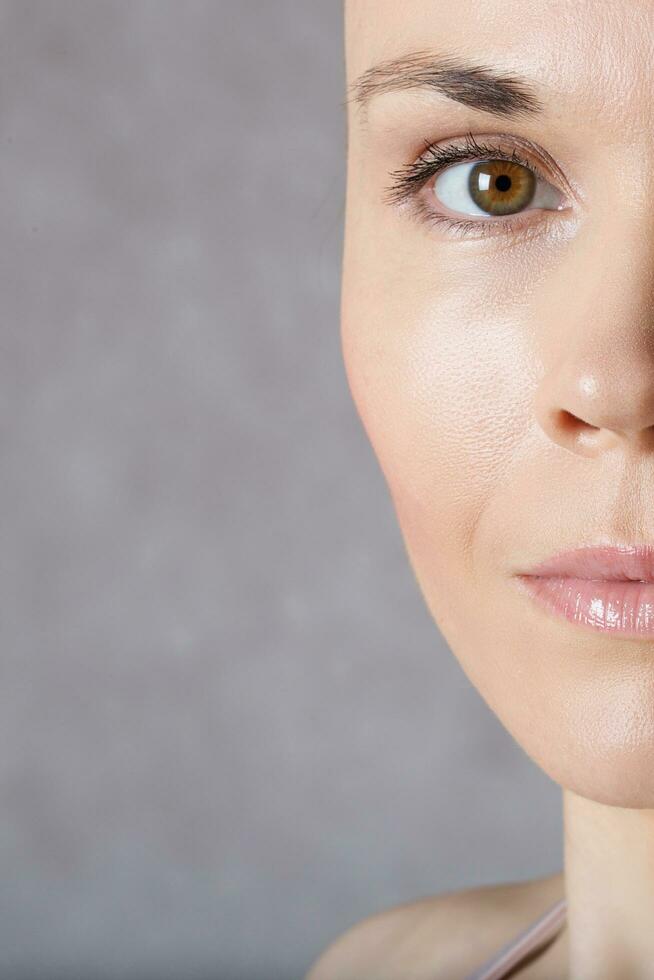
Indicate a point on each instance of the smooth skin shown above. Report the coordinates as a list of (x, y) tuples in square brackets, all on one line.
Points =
[(506, 384)]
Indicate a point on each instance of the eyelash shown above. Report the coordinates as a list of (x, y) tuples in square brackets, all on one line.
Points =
[(409, 180)]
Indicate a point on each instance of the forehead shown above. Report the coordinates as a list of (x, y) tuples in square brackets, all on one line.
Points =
[(586, 56)]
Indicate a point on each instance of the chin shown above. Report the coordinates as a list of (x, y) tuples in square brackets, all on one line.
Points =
[(621, 776), (590, 729)]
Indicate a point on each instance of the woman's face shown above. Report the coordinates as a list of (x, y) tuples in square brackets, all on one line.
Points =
[(503, 367)]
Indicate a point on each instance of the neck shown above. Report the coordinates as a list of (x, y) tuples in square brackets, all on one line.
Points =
[(609, 887)]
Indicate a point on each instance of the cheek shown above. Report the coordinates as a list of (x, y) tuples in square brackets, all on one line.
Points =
[(444, 387), (441, 382)]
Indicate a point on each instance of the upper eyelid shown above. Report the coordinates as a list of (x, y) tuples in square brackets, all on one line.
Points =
[(498, 154), (466, 151), (494, 143)]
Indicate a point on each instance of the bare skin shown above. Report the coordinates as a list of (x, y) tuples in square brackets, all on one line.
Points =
[(447, 936), (505, 379)]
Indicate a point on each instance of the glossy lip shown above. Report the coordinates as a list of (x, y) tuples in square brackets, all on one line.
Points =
[(611, 563), (603, 588)]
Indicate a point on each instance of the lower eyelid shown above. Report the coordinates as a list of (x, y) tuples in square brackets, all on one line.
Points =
[(482, 228)]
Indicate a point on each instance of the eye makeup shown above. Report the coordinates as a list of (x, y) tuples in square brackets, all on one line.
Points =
[(409, 180)]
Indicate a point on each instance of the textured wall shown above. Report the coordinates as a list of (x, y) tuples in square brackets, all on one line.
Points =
[(228, 727)]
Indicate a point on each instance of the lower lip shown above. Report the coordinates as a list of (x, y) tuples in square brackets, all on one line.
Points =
[(603, 605)]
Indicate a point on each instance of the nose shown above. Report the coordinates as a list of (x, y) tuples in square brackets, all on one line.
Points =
[(597, 389)]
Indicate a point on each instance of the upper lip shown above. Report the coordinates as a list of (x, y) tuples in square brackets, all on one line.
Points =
[(634, 563)]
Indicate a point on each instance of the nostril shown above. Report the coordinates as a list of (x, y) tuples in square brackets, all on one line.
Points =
[(568, 421), (578, 436)]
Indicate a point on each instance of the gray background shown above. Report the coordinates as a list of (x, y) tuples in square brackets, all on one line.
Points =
[(228, 726)]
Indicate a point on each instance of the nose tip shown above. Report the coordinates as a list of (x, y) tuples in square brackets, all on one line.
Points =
[(598, 412)]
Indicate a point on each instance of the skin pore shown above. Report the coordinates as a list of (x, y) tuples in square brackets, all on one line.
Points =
[(505, 379)]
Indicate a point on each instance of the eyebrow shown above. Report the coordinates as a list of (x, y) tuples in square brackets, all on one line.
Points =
[(480, 86)]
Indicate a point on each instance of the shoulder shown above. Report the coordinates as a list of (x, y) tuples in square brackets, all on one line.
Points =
[(441, 937)]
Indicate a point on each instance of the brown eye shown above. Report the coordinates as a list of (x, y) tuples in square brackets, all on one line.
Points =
[(493, 188), (501, 186)]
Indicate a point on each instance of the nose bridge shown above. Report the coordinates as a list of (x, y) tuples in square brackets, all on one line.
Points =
[(612, 315), (599, 384)]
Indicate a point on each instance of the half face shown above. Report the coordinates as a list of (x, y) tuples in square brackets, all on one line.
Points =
[(498, 335)]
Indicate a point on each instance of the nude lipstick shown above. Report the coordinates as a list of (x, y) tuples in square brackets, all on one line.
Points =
[(606, 589)]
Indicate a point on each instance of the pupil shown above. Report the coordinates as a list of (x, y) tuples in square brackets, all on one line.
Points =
[(503, 182)]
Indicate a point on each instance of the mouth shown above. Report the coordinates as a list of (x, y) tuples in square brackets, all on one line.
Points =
[(605, 589)]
